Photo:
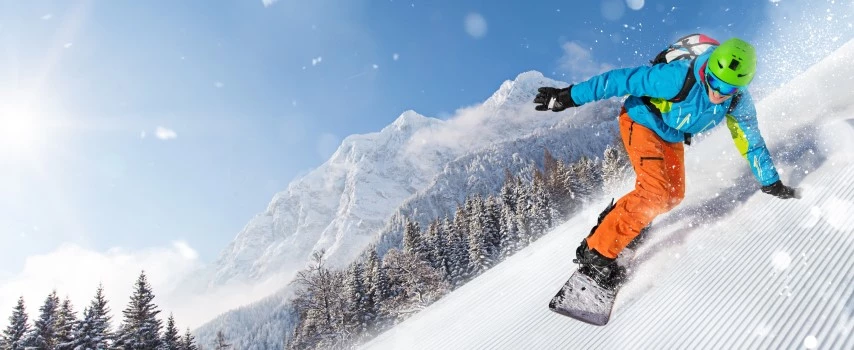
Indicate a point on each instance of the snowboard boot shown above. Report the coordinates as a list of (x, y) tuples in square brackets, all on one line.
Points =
[(605, 271)]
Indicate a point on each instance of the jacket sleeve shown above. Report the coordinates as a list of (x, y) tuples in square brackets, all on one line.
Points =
[(660, 80), (744, 129)]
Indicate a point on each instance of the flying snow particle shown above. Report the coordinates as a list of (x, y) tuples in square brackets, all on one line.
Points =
[(219, 84), (762, 330), (316, 61), (47, 16), (781, 260), (635, 4), (475, 25), (395, 57), (811, 342), (68, 45), (376, 66)]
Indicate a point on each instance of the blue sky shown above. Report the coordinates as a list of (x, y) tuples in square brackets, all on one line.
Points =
[(135, 124)]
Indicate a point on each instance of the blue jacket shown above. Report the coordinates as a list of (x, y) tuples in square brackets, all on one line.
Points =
[(693, 115)]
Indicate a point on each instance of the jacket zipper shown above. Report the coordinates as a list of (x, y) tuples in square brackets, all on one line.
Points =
[(650, 158)]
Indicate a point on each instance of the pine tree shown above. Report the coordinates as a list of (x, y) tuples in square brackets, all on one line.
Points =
[(448, 249), (508, 191), (509, 233), (524, 206), (413, 241), (188, 342), (65, 324), (372, 264), (16, 334), (615, 167), (140, 327), (44, 329), (171, 339), (479, 257), (93, 331), (220, 343), (458, 247), (355, 309), (492, 229), (435, 245)]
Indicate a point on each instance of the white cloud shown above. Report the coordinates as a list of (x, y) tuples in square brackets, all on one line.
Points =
[(578, 62), (165, 134), (268, 3), (47, 16), (75, 272), (475, 25), (327, 144), (316, 61)]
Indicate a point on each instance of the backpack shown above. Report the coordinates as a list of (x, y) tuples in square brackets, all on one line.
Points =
[(686, 48)]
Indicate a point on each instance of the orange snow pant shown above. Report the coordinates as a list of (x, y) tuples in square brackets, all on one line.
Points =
[(660, 186)]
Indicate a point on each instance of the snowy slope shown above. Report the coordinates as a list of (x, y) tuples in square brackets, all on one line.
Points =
[(731, 267)]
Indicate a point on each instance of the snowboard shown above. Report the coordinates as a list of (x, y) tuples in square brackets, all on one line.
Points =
[(583, 299)]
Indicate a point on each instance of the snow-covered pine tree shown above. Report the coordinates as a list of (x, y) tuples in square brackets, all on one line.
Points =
[(43, 335), (615, 167), (492, 229), (220, 343), (171, 339), (93, 331), (541, 217), (16, 334), (524, 206), (478, 251), (372, 264), (438, 246), (140, 329), (447, 231), (413, 240), (508, 190), (355, 310), (380, 293), (188, 342), (65, 324), (458, 244), (509, 234)]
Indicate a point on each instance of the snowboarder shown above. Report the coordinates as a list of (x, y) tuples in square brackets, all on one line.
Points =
[(667, 103)]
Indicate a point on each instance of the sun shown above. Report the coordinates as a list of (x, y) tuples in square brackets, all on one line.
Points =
[(21, 130)]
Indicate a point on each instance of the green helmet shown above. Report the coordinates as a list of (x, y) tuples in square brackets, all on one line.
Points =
[(734, 62)]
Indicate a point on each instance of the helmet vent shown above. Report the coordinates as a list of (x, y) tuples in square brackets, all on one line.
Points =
[(733, 64)]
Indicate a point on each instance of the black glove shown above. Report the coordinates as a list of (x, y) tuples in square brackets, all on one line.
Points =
[(780, 190), (554, 99)]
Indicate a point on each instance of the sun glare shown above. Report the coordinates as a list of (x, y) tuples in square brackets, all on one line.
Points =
[(20, 129)]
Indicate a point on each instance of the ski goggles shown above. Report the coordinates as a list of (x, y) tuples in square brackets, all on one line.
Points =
[(720, 86)]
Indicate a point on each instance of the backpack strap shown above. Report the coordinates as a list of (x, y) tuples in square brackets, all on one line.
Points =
[(690, 79)]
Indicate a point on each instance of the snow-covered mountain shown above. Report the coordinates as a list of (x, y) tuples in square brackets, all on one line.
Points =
[(343, 204), (731, 267)]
